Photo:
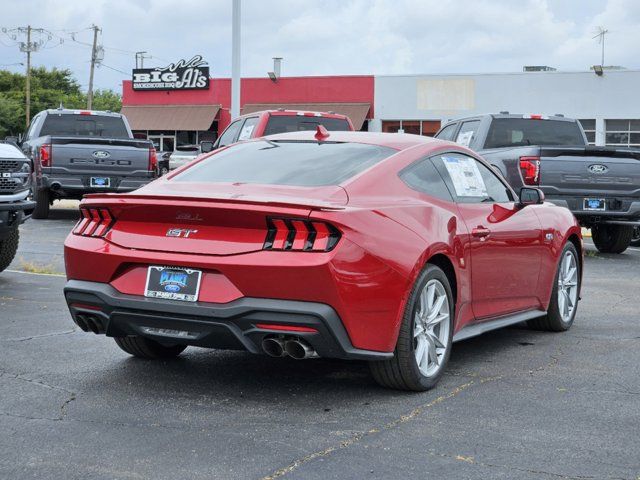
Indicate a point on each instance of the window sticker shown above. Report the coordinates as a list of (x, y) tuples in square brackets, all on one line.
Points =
[(466, 177), (464, 138), (246, 132)]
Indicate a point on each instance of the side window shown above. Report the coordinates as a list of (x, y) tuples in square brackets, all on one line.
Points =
[(423, 177), (467, 132), (447, 132), (247, 128), (32, 127), (470, 181), (229, 135)]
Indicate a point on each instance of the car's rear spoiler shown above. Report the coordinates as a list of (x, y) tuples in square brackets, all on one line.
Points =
[(590, 151)]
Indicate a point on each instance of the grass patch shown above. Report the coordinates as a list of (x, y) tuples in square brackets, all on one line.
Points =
[(591, 254), (32, 267)]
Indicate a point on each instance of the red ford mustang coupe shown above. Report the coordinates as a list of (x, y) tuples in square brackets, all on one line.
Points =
[(378, 247)]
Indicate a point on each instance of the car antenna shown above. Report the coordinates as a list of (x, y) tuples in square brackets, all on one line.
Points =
[(321, 133)]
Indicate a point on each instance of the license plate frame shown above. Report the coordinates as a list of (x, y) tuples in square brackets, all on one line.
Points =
[(594, 204), (100, 182), (173, 283)]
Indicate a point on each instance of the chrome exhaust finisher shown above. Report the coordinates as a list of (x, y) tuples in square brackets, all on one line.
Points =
[(273, 346), (299, 350)]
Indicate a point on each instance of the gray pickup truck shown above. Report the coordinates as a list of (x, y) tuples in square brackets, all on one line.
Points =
[(600, 185), (75, 152), (15, 206)]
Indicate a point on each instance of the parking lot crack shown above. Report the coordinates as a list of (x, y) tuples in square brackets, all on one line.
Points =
[(44, 335), (354, 439)]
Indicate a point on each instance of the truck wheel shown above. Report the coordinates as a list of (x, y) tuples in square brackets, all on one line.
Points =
[(43, 199), (635, 238), (149, 349), (612, 238), (564, 295), (8, 249)]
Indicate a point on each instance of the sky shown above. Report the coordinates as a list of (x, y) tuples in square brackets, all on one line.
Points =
[(325, 37)]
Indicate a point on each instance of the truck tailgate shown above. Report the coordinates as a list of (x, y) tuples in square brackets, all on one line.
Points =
[(98, 155)]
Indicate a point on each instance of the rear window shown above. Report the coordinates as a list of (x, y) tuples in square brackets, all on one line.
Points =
[(284, 123), (72, 125), (303, 164), (515, 132)]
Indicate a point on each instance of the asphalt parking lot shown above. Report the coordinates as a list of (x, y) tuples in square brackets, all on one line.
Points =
[(513, 404)]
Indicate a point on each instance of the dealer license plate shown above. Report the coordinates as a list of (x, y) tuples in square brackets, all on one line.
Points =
[(100, 182), (171, 283), (594, 204)]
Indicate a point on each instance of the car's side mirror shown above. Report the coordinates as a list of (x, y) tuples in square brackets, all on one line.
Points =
[(206, 146), (530, 196)]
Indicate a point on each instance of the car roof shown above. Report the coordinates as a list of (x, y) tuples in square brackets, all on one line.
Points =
[(292, 113), (555, 116), (8, 150), (398, 141)]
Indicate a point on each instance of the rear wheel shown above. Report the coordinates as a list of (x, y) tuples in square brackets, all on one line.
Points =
[(635, 237), (424, 341), (564, 297), (8, 249), (612, 238), (145, 348), (43, 199)]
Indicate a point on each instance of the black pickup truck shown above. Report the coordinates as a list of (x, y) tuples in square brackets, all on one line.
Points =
[(75, 152), (600, 185), (15, 205)]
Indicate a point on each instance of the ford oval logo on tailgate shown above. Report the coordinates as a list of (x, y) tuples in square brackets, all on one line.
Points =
[(101, 154), (597, 168)]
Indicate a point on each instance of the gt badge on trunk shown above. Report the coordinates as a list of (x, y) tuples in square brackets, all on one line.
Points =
[(173, 283)]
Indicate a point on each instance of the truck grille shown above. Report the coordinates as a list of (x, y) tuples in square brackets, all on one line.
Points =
[(10, 185), (9, 166)]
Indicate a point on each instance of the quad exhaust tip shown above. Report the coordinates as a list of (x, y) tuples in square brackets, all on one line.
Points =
[(293, 347)]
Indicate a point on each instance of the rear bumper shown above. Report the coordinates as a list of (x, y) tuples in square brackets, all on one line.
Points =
[(80, 184), (624, 211), (225, 326)]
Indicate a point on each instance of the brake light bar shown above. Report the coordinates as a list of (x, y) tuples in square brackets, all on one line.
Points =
[(530, 169), (297, 234), (94, 222), (45, 155)]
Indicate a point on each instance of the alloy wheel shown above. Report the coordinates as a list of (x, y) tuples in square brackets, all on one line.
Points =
[(431, 328), (567, 286)]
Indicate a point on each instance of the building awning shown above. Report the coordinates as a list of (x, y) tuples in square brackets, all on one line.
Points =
[(170, 117), (357, 112)]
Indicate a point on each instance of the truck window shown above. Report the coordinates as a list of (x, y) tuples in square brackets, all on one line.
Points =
[(515, 132), (297, 123), (447, 132), (247, 128), (467, 132), (229, 135), (76, 125)]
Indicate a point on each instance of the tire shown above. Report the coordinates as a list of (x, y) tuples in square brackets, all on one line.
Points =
[(635, 237), (612, 238), (149, 349), (8, 249), (556, 320), (43, 199), (403, 372)]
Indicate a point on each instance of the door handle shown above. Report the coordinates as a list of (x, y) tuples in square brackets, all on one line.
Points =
[(480, 232)]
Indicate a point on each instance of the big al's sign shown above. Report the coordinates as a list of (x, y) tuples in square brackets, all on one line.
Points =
[(183, 75)]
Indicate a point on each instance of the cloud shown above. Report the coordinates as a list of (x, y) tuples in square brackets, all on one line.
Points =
[(335, 36)]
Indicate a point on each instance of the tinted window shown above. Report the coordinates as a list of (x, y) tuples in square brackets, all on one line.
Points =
[(467, 132), (229, 135), (304, 164), (447, 132), (71, 125), (247, 128), (470, 181), (424, 177), (290, 123), (509, 132)]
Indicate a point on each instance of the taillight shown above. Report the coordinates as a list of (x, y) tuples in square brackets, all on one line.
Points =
[(530, 168), (45, 155), (94, 222), (153, 159), (298, 234)]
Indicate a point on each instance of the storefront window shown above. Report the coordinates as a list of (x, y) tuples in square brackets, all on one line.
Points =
[(415, 127), (589, 127), (623, 133)]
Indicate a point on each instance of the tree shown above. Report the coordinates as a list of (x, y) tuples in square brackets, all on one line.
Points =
[(49, 89)]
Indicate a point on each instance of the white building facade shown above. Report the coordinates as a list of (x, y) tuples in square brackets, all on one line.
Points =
[(608, 106)]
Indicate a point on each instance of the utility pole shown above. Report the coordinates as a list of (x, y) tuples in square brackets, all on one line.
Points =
[(28, 80), (235, 60), (94, 54), (140, 56), (600, 36)]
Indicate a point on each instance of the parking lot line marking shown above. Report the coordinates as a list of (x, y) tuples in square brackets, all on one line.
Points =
[(35, 273), (372, 431)]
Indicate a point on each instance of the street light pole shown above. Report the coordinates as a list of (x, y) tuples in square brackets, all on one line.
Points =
[(235, 60), (94, 53), (28, 79)]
